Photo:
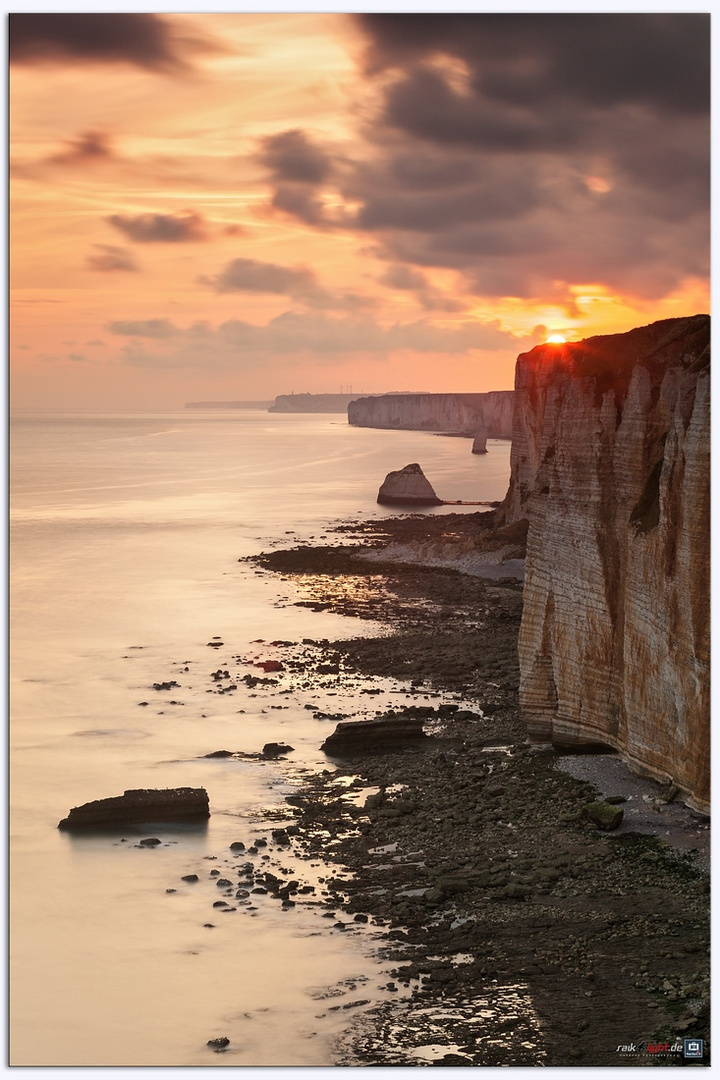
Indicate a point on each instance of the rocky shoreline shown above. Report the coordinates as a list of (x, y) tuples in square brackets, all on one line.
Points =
[(522, 934)]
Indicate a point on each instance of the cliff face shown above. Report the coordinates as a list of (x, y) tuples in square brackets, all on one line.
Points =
[(467, 413), (610, 464)]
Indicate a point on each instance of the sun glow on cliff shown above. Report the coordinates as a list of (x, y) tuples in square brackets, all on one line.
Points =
[(555, 339)]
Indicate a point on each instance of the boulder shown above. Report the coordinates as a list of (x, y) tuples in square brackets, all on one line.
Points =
[(407, 487), (602, 814), (374, 736), (138, 806)]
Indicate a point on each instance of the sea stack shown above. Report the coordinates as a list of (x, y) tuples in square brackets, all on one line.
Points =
[(407, 487), (479, 445)]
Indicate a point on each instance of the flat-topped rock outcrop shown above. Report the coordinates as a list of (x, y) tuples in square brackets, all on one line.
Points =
[(407, 487), (610, 465), (462, 413), (141, 806), (369, 736)]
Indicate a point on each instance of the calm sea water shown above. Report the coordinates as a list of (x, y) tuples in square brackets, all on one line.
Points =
[(125, 537)]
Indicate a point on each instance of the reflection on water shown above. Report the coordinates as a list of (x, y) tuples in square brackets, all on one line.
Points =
[(126, 536)]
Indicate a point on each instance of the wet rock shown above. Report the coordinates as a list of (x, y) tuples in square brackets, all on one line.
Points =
[(218, 1044), (602, 814), (165, 685), (190, 877), (273, 749), (221, 754), (237, 845), (151, 841), (140, 805), (270, 665), (368, 736)]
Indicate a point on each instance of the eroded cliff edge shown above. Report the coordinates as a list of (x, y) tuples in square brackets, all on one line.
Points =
[(610, 464)]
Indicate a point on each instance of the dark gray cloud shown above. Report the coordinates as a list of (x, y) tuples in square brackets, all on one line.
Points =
[(300, 201), (110, 258), (297, 167), (251, 275), (406, 279), (143, 40), (527, 149), (601, 60), (183, 228), (291, 155)]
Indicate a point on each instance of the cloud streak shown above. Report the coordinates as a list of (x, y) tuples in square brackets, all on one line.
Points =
[(295, 334)]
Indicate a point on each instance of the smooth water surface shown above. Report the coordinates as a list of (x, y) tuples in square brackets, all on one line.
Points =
[(125, 537)]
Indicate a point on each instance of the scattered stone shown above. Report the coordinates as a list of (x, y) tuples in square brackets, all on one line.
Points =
[(270, 665), (151, 841), (165, 685), (190, 877)]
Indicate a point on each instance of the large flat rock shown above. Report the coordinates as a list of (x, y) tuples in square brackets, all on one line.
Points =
[(373, 736), (141, 806)]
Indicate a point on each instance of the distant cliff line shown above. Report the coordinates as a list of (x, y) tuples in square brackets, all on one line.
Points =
[(228, 404), (610, 466), (465, 414), (311, 403)]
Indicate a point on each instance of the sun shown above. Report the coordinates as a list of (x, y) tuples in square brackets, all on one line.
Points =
[(555, 339)]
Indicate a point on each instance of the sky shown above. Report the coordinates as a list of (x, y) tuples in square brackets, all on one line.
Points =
[(233, 206)]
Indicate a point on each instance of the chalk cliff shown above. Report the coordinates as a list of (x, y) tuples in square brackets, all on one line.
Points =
[(466, 413), (610, 465)]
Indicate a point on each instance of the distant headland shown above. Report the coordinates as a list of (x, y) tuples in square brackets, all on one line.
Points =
[(228, 404)]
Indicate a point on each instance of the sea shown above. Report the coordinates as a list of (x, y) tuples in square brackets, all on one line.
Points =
[(129, 538)]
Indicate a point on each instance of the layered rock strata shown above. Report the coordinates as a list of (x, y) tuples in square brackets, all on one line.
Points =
[(140, 806), (610, 465), (370, 736), (465, 413)]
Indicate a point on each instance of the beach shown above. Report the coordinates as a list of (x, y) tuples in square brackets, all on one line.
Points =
[(523, 935)]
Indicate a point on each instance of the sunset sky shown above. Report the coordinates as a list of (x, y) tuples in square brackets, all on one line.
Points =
[(234, 206)]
